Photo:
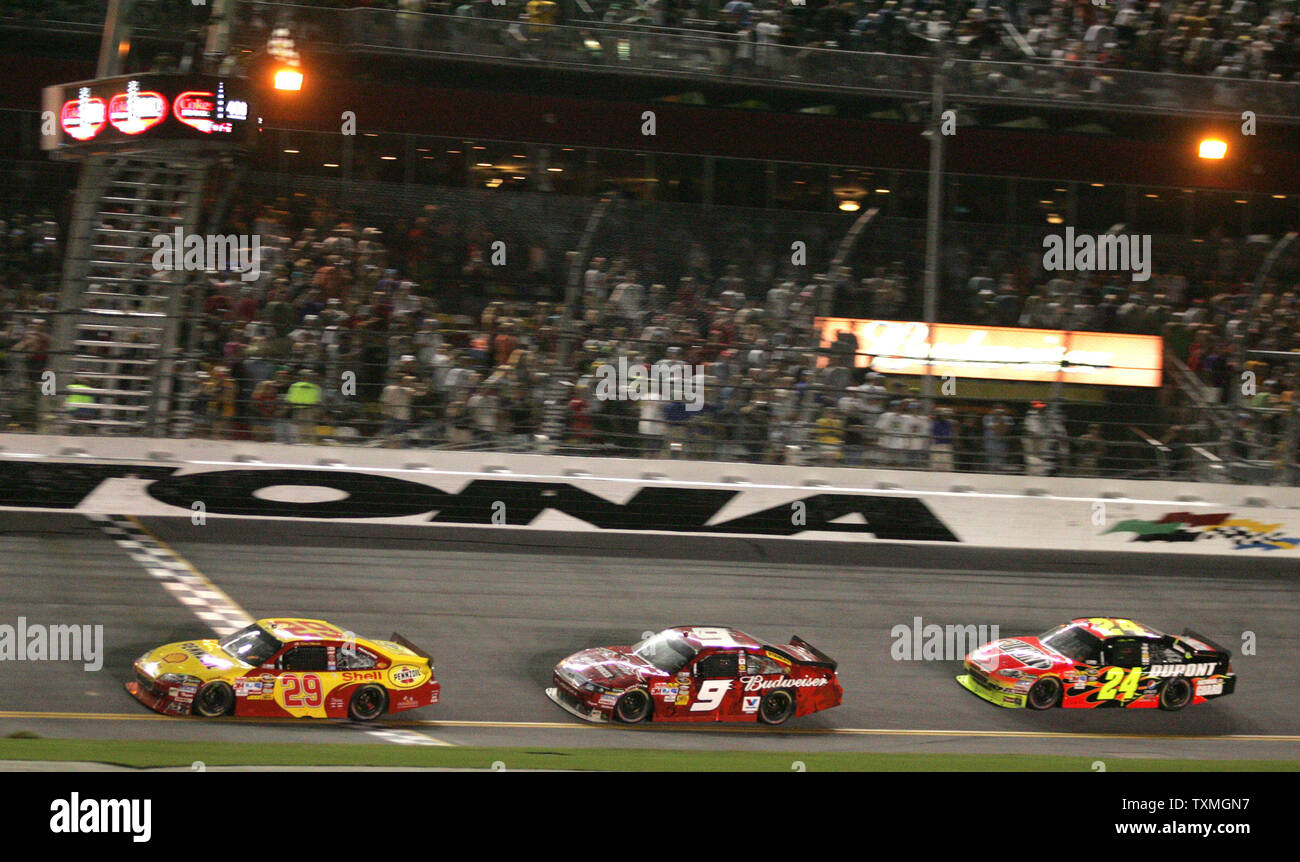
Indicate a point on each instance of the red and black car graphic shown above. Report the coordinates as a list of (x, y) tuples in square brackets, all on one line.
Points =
[(697, 673)]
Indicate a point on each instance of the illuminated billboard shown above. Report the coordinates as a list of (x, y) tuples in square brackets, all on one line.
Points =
[(116, 113), (1001, 353)]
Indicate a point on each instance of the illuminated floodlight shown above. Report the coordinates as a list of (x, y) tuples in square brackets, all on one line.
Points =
[(288, 79), (1212, 148)]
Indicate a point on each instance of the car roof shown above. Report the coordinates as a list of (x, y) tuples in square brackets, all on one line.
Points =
[(719, 637), (1109, 627), (299, 629)]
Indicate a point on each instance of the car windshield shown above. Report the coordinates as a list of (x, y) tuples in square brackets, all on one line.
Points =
[(667, 651), (1073, 642), (251, 645)]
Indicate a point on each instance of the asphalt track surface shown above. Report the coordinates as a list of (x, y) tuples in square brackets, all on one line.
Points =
[(498, 607)]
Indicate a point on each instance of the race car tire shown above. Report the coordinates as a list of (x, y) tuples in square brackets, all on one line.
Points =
[(368, 703), (1045, 694), (1175, 694), (632, 707), (776, 707), (214, 700)]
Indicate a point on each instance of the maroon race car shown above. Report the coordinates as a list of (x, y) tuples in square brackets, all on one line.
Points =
[(697, 673)]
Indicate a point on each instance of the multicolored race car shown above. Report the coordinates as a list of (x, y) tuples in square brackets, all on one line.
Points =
[(286, 667), (697, 673), (1094, 662)]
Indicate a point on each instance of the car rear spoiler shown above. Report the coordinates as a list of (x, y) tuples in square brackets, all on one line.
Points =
[(1227, 653), (401, 641), (820, 659)]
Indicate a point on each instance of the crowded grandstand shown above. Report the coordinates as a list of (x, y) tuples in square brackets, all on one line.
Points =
[(473, 305)]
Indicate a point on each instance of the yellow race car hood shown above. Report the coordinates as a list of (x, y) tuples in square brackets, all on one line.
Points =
[(203, 659)]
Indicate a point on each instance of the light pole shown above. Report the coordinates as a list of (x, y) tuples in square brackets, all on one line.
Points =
[(934, 212), (116, 41)]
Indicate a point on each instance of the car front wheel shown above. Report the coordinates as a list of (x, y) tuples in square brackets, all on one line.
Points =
[(1175, 694), (214, 699), (1045, 694), (632, 707), (368, 703)]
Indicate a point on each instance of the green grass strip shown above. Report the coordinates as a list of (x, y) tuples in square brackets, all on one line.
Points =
[(146, 754)]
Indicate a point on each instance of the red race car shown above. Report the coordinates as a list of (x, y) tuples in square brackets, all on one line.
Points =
[(1094, 662), (697, 673)]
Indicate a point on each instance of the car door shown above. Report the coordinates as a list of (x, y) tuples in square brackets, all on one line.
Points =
[(1124, 660), (715, 685), (303, 677)]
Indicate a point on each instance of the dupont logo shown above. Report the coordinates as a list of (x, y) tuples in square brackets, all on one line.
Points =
[(1199, 669)]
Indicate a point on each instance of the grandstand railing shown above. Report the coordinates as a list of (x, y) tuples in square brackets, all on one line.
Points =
[(686, 52), (557, 407), (701, 54)]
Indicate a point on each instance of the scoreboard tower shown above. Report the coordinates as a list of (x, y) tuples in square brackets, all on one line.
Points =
[(147, 145)]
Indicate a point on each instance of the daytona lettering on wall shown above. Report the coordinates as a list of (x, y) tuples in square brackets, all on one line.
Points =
[(234, 492)]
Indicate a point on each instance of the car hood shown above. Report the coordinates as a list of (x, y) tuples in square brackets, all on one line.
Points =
[(611, 667), (202, 658), (1023, 654)]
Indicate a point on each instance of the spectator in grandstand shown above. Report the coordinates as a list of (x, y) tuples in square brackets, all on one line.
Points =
[(943, 431), (891, 435), (80, 404), (829, 437), (1091, 449), (223, 402), (395, 406), (304, 399), (1045, 441), (998, 430)]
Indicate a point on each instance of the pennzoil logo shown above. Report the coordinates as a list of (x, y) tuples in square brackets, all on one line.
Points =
[(405, 676)]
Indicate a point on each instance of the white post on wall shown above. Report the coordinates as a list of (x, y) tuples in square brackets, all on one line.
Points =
[(934, 211), (116, 41)]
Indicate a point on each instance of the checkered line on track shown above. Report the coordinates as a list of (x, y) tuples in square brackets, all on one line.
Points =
[(178, 577), (401, 736)]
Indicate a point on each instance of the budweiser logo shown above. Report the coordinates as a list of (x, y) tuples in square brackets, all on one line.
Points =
[(757, 683)]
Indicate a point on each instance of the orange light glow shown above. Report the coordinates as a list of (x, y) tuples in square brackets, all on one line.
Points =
[(288, 79), (1211, 148)]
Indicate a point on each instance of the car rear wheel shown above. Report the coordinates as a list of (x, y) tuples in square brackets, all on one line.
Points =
[(1175, 694), (214, 699), (776, 707), (632, 707), (1045, 694), (368, 703)]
